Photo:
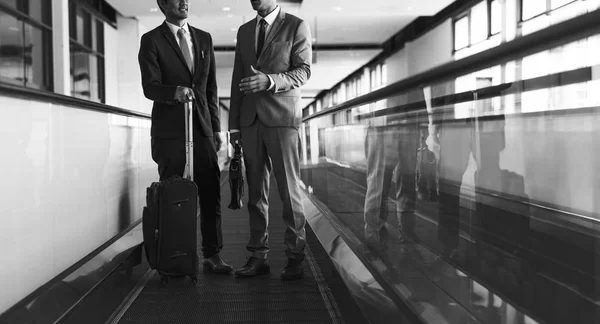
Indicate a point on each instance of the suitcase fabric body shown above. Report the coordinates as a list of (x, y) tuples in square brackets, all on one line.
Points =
[(169, 219), (169, 225)]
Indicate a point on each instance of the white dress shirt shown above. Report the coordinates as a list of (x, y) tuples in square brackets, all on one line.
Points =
[(187, 35), (269, 19)]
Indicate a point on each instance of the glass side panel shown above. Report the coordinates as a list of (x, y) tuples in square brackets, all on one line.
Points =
[(475, 199)]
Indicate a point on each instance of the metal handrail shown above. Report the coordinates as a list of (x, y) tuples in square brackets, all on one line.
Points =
[(544, 82), (556, 35), (47, 96)]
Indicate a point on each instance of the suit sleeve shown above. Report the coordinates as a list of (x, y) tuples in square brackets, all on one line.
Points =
[(151, 74), (301, 59), (211, 90), (236, 94)]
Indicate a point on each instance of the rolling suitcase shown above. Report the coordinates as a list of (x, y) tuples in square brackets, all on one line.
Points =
[(170, 218)]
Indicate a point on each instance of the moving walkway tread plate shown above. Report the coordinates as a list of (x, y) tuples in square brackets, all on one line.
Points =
[(227, 299)]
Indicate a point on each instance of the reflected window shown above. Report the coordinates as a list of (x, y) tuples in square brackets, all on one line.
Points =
[(554, 4), (80, 73), (26, 44), (496, 16), (461, 33), (12, 63), (87, 53), (478, 24), (37, 57), (534, 8), (39, 10)]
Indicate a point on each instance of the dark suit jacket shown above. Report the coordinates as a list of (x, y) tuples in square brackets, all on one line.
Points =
[(163, 69), (286, 56)]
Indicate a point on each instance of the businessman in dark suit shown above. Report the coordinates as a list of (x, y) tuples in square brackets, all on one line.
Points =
[(272, 61), (177, 64)]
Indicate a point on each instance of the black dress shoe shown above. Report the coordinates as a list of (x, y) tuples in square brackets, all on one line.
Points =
[(254, 266), (217, 265), (293, 270)]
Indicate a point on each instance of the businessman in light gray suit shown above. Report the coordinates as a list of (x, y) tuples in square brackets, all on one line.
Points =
[(272, 61)]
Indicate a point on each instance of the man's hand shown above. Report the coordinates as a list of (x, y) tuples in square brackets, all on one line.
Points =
[(184, 94), (218, 141), (256, 83), (235, 137)]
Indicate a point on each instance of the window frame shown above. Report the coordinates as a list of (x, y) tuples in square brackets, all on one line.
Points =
[(467, 14), (548, 10), (94, 48), (21, 14)]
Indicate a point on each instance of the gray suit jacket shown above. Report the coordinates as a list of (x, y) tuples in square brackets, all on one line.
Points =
[(286, 57)]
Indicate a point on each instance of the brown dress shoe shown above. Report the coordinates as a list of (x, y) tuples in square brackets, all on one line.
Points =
[(254, 266), (293, 270), (217, 265)]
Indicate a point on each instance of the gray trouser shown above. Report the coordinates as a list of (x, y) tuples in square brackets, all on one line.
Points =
[(266, 149)]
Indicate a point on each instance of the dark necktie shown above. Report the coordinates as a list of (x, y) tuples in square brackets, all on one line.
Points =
[(261, 37), (185, 49)]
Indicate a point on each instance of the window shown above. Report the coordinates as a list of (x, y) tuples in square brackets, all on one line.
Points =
[(461, 33), (495, 23), (478, 24), (26, 43), (86, 53), (534, 8)]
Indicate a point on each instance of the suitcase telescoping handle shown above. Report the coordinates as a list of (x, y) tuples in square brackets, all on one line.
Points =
[(188, 173)]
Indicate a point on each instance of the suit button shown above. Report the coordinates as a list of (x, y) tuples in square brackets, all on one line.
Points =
[(193, 85)]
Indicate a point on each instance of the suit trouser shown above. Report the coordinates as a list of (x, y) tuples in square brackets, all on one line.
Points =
[(265, 149), (391, 153), (169, 154)]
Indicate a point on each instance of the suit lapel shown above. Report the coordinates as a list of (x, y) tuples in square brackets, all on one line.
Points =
[(171, 39), (274, 29), (197, 51), (253, 40)]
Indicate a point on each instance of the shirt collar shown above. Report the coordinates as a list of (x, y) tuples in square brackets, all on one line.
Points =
[(175, 28), (270, 18)]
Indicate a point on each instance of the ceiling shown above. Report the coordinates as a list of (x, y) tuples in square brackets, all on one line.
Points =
[(332, 22)]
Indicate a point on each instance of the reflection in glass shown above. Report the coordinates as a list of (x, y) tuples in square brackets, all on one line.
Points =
[(84, 28), (40, 11), (94, 95), (11, 3), (11, 49), (80, 74), (99, 39), (101, 85), (35, 58)]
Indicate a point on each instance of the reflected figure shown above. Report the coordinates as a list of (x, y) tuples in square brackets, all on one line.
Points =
[(391, 152), (483, 139)]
